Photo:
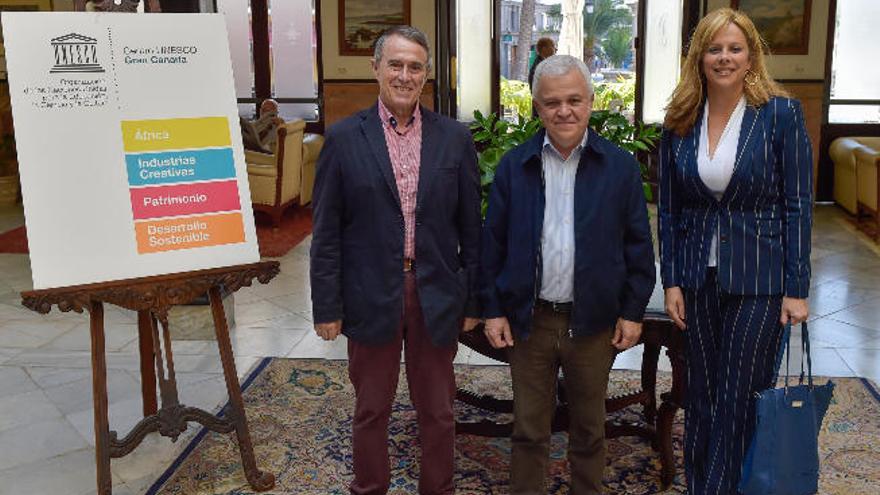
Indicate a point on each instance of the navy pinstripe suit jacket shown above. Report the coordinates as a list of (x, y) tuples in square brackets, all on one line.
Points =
[(764, 217)]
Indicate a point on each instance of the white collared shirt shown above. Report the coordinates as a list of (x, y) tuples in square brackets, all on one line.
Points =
[(557, 238), (716, 171)]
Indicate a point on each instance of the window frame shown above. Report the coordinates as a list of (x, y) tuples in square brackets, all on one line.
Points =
[(263, 64), (831, 131), (829, 66)]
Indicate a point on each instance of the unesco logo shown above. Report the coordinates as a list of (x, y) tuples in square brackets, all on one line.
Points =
[(75, 53)]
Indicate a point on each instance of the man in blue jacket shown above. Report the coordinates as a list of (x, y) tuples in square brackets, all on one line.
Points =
[(568, 269), (394, 259)]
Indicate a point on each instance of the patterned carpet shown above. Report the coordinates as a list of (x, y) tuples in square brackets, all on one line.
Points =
[(299, 412)]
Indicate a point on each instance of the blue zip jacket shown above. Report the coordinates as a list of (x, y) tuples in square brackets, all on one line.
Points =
[(614, 258)]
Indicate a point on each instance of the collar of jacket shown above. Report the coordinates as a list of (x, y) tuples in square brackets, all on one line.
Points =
[(535, 145)]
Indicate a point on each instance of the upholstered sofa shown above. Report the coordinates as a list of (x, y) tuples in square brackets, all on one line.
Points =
[(286, 177), (868, 195), (855, 173)]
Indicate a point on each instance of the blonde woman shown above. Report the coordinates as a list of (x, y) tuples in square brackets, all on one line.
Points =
[(735, 215)]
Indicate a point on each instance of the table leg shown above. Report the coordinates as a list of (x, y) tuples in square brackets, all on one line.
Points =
[(672, 402), (147, 353), (650, 355), (99, 398), (259, 480)]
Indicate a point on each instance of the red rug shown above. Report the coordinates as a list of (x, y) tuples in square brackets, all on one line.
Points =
[(296, 225), (14, 241)]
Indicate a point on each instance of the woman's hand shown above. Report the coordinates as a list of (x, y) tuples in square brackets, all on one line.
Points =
[(794, 310), (675, 306)]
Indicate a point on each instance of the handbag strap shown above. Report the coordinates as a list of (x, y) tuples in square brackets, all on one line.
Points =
[(805, 342), (805, 353), (783, 345)]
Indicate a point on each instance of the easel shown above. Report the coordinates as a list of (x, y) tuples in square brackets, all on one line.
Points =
[(152, 297)]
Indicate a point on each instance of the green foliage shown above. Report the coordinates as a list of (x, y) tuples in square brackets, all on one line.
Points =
[(495, 137), (517, 95), (631, 137), (605, 15), (616, 96), (617, 46)]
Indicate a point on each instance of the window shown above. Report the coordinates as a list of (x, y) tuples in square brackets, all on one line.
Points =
[(290, 27), (609, 31), (293, 43), (662, 40), (474, 29), (238, 27), (855, 81)]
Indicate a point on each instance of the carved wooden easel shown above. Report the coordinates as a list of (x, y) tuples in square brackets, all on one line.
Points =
[(152, 297)]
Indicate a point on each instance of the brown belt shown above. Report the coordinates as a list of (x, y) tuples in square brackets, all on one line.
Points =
[(409, 264)]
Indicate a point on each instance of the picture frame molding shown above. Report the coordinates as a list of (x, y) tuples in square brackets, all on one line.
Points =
[(803, 48), (346, 50)]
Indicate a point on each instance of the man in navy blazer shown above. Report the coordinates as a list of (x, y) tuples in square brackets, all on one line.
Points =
[(568, 268), (394, 259)]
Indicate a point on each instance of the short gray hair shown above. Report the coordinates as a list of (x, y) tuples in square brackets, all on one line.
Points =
[(407, 32), (560, 65)]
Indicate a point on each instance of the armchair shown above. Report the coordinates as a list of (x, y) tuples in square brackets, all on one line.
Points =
[(868, 193), (286, 177), (841, 152)]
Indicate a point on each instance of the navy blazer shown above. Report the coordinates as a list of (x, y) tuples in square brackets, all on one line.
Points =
[(614, 259), (764, 217), (357, 244)]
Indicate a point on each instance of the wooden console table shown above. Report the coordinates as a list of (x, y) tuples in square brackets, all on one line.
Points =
[(152, 297), (658, 331)]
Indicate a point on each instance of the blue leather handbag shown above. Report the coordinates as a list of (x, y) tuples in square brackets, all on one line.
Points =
[(783, 457)]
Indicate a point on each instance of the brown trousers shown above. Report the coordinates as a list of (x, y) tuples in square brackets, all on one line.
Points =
[(534, 367)]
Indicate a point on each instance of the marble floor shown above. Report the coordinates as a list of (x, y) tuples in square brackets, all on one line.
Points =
[(46, 431)]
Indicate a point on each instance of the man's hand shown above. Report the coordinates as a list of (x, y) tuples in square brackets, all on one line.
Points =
[(626, 334), (794, 310), (330, 330), (469, 323), (497, 330), (675, 306)]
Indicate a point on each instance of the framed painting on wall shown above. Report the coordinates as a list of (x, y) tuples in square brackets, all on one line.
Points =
[(362, 21), (784, 24)]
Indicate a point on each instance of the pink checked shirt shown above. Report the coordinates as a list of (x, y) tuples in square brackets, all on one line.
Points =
[(405, 149)]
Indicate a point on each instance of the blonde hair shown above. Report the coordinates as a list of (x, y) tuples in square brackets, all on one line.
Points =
[(689, 94)]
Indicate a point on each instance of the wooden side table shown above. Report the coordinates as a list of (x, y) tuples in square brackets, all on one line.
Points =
[(152, 297), (658, 331)]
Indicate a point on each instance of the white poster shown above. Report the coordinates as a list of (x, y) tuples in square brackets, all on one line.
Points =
[(129, 147)]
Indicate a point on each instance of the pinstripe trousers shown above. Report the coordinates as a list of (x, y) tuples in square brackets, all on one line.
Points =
[(731, 349)]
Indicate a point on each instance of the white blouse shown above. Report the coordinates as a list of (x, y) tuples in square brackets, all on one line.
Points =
[(716, 171)]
